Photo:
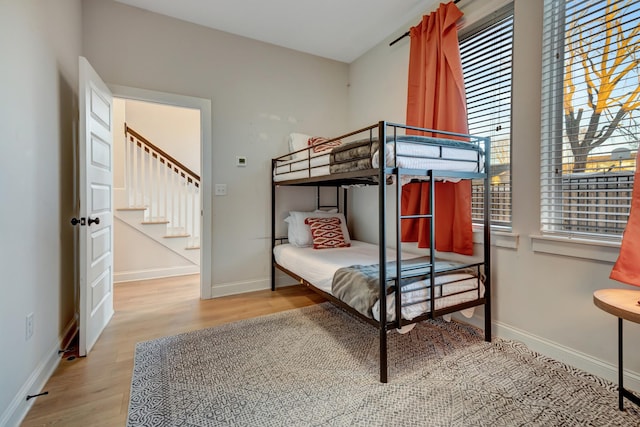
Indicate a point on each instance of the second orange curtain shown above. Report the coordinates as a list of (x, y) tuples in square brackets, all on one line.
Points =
[(436, 100), (627, 267)]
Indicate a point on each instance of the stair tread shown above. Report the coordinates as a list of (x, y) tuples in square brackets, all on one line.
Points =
[(190, 248), (155, 222), (170, 236), (139, 208)]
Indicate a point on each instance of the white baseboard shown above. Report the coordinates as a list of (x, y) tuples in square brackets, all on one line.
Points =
[(19, 406), (156, 273), (232, 288), (559, 352)]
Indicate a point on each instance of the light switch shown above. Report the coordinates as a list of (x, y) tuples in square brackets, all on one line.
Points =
[(221, 189)]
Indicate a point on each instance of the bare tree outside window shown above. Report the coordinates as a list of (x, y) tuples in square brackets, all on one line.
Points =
[(602, 78)]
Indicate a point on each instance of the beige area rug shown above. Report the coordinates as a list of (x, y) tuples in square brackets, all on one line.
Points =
[(318, 366)]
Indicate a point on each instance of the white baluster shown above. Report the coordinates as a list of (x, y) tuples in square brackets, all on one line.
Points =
[(180, 202), (173, 199), (153, 184), (165, 190), (127, 168), (136, 170), (162, 189), (192, 227)]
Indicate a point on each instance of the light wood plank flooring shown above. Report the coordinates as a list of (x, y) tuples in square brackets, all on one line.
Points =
[(94, 390)]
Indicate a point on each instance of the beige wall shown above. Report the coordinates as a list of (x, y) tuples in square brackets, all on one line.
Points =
[(175, 130), (138, 257), (260, 93), (40, 42), (542, 289)]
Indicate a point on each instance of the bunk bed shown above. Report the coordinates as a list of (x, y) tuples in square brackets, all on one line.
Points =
[(346, 272)]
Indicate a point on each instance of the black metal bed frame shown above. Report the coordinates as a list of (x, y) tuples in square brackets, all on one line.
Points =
[(379, 175)]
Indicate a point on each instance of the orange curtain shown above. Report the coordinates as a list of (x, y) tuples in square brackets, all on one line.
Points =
[(436, 100), (627, 267)]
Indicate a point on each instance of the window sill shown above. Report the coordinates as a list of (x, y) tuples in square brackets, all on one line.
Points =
[(500, 239), (596, 250)]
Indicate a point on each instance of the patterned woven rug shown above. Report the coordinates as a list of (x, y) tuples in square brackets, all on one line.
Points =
[(318, 366)]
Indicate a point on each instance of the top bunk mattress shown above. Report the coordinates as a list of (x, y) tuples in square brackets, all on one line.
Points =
[(405, 151), (410, 152)]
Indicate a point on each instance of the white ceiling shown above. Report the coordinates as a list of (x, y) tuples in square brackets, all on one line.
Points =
[(336, 29)]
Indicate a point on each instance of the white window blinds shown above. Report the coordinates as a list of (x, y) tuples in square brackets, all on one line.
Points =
[(486, 54), (590, 115)]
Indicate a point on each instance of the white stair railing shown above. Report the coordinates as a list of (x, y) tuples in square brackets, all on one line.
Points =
[(168, 190)]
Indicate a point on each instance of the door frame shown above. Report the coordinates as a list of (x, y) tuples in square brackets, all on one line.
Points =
[(206, 162)]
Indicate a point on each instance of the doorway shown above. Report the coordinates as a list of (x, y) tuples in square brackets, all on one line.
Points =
[(139, 103)]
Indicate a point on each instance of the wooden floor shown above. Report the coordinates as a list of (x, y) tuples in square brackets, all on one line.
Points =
[(94, 390)]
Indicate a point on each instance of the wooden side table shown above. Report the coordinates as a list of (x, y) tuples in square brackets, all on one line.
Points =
[(624, 304)]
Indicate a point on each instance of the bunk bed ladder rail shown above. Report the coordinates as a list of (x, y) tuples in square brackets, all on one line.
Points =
[(487, 239), (432, 242), (431, 265), (398, 286), (382, 244), (273, 227)]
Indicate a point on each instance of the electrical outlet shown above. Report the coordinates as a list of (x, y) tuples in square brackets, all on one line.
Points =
[(29, 326)]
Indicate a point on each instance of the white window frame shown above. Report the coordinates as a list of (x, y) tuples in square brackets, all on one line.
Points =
[(563, 194), (501, 206)]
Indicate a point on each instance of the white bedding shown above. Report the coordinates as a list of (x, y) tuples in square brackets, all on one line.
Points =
[(410, 156), (418, 156), (301, 168), (318, 266)]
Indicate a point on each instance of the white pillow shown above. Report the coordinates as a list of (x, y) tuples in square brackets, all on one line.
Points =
[(298, 141), (300, 233), (297, 230)]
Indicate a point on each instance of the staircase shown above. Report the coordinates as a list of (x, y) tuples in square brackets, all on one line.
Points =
[(161, 198)]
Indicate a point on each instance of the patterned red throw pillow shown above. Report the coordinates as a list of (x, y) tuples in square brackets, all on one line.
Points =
[(326, 233), (320, 144)]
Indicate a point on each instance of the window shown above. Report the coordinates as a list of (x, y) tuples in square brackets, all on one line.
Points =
[(590, 115), (486, 54)]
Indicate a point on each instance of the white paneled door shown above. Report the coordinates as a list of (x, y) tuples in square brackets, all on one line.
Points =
[(95, 177)]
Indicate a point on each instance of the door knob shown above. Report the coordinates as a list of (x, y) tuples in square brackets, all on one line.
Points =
[(76, 221), (83, 221)]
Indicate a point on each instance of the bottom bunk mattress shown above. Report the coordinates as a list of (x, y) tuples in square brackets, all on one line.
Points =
[(350, 274)]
